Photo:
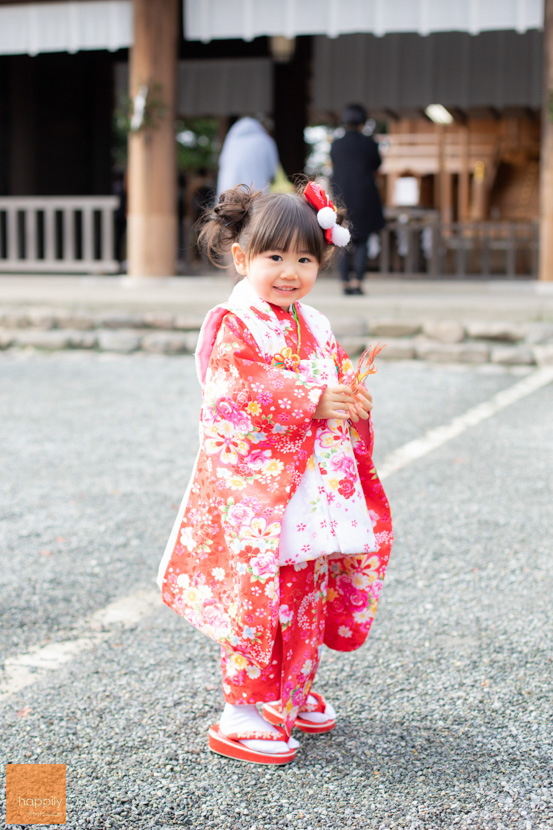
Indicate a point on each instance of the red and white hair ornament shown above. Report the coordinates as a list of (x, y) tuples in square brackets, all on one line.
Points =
[(335, 234)]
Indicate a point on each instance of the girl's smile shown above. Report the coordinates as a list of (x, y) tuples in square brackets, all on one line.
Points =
[(279, 277)]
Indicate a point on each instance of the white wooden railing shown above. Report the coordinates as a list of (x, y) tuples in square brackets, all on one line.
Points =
[(57, 234)]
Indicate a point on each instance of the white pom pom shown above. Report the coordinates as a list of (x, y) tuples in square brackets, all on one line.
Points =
[(340, 236), (326, 217)]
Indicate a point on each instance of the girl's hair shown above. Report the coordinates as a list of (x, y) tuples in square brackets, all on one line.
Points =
[(262, 222)]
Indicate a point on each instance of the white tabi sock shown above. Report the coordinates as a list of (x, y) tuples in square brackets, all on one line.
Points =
[(245, 718), (318, 717)]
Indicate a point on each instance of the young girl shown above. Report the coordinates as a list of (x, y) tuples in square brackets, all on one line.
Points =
[(284, 533)]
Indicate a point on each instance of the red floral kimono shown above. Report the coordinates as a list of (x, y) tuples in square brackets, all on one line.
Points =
[(221, 565)]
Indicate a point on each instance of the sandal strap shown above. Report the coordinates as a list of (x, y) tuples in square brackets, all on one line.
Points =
[(319, 706), (258, 735)]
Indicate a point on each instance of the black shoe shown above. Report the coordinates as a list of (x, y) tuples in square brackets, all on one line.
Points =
[(357, 290), (348, 290)]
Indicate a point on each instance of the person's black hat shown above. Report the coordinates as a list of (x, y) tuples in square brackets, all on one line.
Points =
[(354, 114)]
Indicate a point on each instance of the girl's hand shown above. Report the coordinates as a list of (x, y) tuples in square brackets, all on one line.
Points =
[(336, 402), (362, 405)]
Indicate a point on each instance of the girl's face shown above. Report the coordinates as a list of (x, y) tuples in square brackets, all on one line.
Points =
[(279, 277)]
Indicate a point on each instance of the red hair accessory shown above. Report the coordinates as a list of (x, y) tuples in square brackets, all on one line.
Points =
[(335, 234)]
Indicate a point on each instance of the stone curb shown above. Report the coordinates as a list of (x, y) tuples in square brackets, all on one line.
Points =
[(45, 319), (440, 341)]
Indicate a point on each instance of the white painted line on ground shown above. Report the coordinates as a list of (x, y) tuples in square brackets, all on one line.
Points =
[(438, 436), (25, 669), (128, 610)]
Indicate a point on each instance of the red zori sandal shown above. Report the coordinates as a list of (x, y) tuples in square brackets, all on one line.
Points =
[(272, 712), (230, 746)]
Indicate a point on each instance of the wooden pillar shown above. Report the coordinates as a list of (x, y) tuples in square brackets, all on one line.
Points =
[(152, 217), (546, 162), (444, 179), (463, 210), (479, 206), (391, 180), (438, 179), (446, 196)]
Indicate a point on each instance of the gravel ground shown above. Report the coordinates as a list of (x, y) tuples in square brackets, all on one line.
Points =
[(444, 717)]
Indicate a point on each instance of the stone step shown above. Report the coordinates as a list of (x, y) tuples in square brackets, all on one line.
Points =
[(129, 340)]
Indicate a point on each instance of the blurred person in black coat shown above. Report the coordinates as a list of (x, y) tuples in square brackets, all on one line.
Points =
[(355, 159)]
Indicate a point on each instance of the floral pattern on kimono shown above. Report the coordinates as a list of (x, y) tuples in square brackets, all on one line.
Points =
[(220, 571), (296, 651)]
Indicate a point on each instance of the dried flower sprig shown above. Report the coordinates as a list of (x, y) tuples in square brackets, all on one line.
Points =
[(365, 365)]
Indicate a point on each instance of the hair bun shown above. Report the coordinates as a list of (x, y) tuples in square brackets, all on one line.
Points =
[(233, 209), (222, 225)]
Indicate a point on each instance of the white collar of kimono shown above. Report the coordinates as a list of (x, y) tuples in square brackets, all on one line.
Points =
[(268, 334)]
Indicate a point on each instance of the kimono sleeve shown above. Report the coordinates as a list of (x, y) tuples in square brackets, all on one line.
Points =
[(244, 389)]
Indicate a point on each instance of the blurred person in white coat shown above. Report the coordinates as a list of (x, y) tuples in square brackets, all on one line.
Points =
[(249, 156)]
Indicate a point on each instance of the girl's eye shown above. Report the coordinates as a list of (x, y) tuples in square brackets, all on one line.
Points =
[(305, 259), (276, 257)]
